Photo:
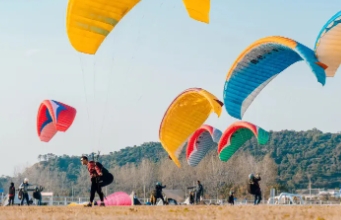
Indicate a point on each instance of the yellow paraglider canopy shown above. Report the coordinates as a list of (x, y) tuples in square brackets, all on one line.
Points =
[(198, 9), (88, 22), (186, 113)]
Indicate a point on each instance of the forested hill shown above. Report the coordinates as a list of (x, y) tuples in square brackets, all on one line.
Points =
[(304, 156), (300, 156)]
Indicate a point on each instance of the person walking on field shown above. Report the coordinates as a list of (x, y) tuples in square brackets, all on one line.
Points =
[(95, 171)]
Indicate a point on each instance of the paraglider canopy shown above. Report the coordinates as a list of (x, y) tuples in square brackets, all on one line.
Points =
[(52, 117), (236, 135), (328, 44), (118, 199), (186, 113), (200, 142), (260, 63)]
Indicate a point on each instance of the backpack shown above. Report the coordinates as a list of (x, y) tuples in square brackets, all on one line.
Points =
[(104, 170), (36, 195), (107, 177), (20, 194), (250, 188)]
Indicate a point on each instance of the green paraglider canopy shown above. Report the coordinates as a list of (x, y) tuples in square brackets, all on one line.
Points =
[(236, 135)]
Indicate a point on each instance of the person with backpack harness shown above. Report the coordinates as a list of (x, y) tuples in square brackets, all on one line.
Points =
[(158, 190), (254, 188), (37, 195), (23, 192), (99, 177)]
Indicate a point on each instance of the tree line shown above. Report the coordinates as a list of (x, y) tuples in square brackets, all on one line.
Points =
[(297, 159)]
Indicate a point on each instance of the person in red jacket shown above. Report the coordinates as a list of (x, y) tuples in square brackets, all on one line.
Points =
[(95, 171), (11, 194)]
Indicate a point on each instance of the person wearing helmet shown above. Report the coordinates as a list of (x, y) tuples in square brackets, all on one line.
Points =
[(254, 187), (158, 190), (24, 192), (95, 171)]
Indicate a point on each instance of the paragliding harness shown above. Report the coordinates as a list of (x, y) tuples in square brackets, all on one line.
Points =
[(252, 188), (20, 194), (107, 178), (37, 193)]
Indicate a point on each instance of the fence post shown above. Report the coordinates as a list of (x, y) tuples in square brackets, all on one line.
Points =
[(272, 195)]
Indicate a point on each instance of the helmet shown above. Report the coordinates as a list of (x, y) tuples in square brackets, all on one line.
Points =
[(251, 176), (25, 180), (157, 183)]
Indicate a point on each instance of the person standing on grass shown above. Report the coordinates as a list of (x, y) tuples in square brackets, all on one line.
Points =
[(95, 171), (11, 194)]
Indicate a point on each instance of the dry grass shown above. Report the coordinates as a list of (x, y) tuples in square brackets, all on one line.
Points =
[(249, 212)]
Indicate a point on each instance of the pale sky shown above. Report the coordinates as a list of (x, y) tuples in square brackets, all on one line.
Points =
[(152, 55)]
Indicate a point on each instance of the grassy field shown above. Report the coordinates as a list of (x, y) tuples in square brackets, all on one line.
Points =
[(247, 212)]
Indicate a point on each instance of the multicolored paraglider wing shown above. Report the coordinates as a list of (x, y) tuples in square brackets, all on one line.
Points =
[(186, 113), (88, 22), (216, 135), (258, 65), (236, 135), (45, 126), (53, 116), (198, 9), (328, 44), (117, 199), (200, 143)]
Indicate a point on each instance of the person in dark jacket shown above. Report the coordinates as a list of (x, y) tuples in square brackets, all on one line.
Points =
[(231, 198), (191, 197), (95, 171), (24, 192), (199, 192), (37, 195), (255, 188), (158, 190), (11, 194)]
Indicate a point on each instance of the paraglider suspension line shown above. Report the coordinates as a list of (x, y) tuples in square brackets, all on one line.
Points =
[(86, 99), (106, 103), (94, 104)]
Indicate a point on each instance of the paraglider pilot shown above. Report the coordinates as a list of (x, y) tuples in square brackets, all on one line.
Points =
[(254, 187), (37, 195), (95, 171), (158, 189), (24, 192)]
